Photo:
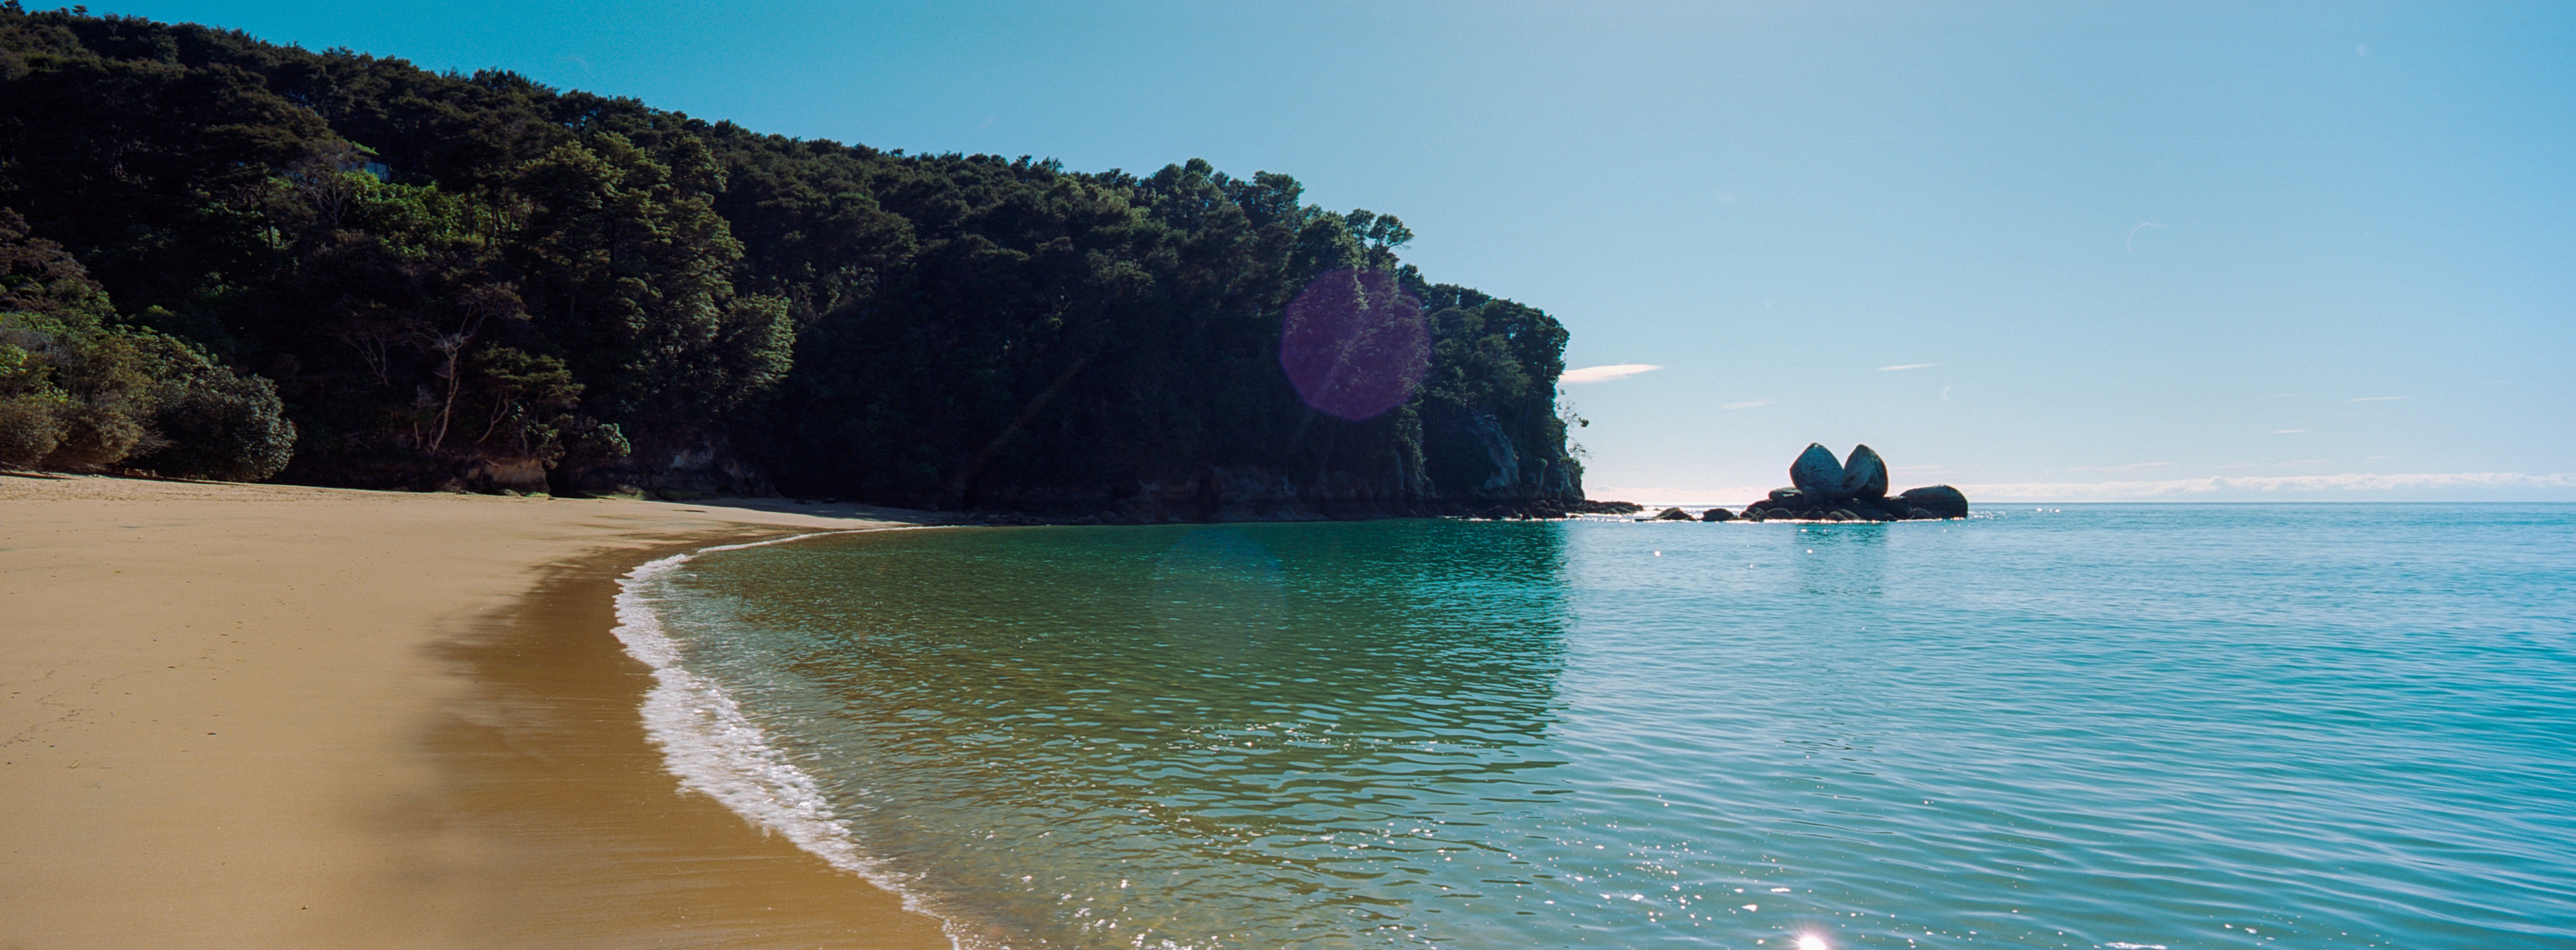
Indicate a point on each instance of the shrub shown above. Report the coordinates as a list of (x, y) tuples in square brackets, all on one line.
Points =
[(216, 423), (78, 392), (29, 428)]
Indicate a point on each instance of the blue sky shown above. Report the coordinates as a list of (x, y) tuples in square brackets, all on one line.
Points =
[(2062, 251)]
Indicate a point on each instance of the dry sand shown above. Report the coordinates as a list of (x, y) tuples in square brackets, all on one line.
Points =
[(276, 717)]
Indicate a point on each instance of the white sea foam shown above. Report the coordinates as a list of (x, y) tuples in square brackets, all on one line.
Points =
[(717, 752)]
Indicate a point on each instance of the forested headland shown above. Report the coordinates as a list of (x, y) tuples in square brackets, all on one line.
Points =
[(226, 258)]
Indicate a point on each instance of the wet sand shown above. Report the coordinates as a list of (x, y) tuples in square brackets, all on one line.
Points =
[(263, 716)]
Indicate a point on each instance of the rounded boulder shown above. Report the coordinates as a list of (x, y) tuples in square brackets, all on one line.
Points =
[(1865, 474), (1939, 501), (1816, 473)]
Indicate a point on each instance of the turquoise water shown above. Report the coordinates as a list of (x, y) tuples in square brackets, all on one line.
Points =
[(2102, 726)]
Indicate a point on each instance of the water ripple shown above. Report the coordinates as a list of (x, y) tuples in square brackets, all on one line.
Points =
[(2120, 726)]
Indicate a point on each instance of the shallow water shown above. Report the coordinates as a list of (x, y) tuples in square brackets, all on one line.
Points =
[(2115, 726)]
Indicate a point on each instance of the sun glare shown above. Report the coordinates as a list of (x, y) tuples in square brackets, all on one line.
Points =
[(1811, 942)]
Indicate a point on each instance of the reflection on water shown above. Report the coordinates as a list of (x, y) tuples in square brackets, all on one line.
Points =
[(1220, 597), (1243, 736), (2305, 726), (1838, 560)]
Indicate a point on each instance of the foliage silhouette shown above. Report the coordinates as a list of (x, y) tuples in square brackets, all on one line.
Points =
[(505, 275)]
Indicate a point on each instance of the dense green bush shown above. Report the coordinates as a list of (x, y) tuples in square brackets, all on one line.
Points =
[(30, 422), (216, 423), (79, 392)]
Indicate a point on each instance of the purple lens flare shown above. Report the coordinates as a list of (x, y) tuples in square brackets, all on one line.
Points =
[(1354, 344)]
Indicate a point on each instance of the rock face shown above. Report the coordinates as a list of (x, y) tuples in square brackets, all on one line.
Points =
[(1816, 473), (1671, 514), (707, 466), (1856, 490), (1717, 514), (1865, 474)]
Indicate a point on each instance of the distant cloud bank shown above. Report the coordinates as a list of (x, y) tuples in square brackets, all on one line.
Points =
[(2269, 487), (1665, 496), (2267, 484), (1597, 374)]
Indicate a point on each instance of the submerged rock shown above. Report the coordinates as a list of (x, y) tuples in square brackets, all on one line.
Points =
[(1816, 473), (1865, 474)]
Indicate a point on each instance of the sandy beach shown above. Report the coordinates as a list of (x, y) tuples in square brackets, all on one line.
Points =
[(269, 716)]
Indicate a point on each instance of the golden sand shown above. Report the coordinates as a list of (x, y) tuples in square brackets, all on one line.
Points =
[(275, 717)]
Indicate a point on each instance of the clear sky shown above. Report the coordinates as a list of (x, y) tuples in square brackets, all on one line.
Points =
[(2067, 251)]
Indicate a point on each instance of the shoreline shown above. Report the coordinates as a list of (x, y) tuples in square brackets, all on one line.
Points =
[(275, 716)]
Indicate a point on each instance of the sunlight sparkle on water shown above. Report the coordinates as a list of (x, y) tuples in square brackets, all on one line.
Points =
[(1810, 942)]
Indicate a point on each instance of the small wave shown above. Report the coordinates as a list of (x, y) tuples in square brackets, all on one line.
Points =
[(2135, 946), (717, 752)]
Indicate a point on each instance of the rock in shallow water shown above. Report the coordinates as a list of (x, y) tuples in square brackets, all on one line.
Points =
[(1828, 490), (1717, 514), (1816, 473), (1939, 501), (1865, 474)]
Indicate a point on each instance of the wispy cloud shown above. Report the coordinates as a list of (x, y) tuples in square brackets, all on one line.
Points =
[(1750, 404), (2268, 484), (2275, 464), (2287, 431), (1598, 374), (2379, 399), (2131, 467), (1899, 366)]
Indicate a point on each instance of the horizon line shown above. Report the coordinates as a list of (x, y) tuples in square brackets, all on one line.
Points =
[(2278, 487)]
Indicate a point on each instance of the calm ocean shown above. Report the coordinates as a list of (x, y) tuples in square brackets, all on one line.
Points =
[(2179, 726)]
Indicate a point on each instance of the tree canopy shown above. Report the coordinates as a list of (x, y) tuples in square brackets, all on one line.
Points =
[(425, 279)]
